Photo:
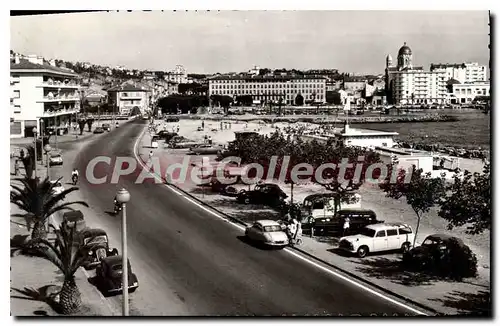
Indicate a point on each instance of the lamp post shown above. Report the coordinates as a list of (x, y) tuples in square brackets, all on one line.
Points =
[(123, 196), (35, 140), (47, 150)]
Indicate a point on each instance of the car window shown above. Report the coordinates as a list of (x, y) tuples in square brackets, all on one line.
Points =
[(272, 228), (380, 234), (367, 232), (428, 242), (257, 227), (117, 267), (391, 232), (405, 230), (318, 205)]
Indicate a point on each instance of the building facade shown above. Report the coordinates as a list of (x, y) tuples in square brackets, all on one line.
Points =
[(270, 88), (465, 73), (42, 96), (178, 75), (407, 84), (466, 93), (127, 97)]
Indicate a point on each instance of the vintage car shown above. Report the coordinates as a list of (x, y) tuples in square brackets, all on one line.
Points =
[(432, 251), (154, 142), (55, 159), (74, 218), (98, 130), (266, 193), (205, 149), (166, 135), (96, 241), (108, 277), (106, 127), (57, 188), (267, 232), (172, 119), (377, 238), (358, 219)]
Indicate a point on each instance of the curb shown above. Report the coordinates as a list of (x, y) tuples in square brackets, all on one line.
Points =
[(350, 274)]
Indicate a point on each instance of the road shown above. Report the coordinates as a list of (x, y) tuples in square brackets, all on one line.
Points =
[(191, 263)]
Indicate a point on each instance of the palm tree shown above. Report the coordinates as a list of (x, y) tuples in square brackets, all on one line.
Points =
[(39, 201), (67, 253)]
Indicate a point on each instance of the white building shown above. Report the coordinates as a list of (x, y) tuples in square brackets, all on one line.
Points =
[(178, 75), (270, 88), (413, 85), (466, 93), (406, 158), (468, 72), (127, 97), (42, 96)]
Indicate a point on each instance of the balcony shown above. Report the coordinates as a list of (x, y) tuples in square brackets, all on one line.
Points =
[(60, 98), (50, 83), (14, 80), (130, 97), (58, 112)]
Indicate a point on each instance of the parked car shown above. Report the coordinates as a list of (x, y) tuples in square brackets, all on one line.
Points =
[(55, 159), (172, 119), (109, 276), (96, 240), (166, 135), (58, 187), (377, 238), (74, 218), (266, 194), (205, 149), (267, 232), (154, 142), (106, 127), (98, 130), (444, 254), (358, 219)]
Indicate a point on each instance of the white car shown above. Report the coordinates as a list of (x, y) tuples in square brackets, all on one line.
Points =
[(377, 238), (267, 232), (58, 188)]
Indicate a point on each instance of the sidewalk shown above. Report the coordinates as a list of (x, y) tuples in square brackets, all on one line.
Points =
[(381, 270), (36, 274)]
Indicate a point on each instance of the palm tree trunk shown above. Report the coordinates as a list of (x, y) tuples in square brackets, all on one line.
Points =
[(70, 298), (39, 231)]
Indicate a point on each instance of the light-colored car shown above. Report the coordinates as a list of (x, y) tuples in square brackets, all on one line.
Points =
[(379, 237), (58, 188), (267, 232), (55, 159)]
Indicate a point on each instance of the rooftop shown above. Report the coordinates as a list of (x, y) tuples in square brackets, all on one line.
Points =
[(447, 65), (25, 64), (127, 88), (266, 78)]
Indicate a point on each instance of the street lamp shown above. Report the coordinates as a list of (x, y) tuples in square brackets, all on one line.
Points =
[(35, 140), (47, 150), (123, 196)]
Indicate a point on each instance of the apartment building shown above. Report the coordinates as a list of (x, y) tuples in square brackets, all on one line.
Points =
[(42, 96), (270, 88), (407, 84), (128, 96), (466, 93), (178, 75), (465, 73)]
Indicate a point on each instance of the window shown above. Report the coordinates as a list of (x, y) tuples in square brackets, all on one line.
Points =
[(380, 234), (405, 230), (391, 232), (16, 94), (17, 109), (125, 94)]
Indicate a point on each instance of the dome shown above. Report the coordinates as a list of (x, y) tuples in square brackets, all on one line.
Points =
[(404, 50)]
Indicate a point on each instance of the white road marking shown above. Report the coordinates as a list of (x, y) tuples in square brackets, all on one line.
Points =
[(329, 271)]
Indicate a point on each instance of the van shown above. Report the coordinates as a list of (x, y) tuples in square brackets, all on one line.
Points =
[(358, 219)]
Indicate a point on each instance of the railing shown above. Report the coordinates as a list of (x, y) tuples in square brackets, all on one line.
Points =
[(59, 84), (66, 97), (48, 113)]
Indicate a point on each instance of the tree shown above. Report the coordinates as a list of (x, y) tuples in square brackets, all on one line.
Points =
[(299, 99), (67, 253), (81, 125), (89, 123), (468, 202), (29, 161), (421, 191), (38, 201)]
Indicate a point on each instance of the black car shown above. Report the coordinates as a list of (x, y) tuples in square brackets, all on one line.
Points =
[(434, 252), (266, 194), (166, 135), (98, 130), (108, 277), (358, 219), (96, 240), (106, 126), (172, 119)]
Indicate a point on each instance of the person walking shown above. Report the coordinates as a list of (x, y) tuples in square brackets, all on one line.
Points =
[(210, 140), (150, 154), (16, 166), (347, 225)]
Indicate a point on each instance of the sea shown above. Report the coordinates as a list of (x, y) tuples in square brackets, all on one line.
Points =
[(472, 130)]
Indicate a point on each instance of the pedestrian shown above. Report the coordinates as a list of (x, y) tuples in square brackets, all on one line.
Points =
[(210, 140), (150, 154), (21, 154), (203, 124), (178, 128), (16, 167), (346, 226)]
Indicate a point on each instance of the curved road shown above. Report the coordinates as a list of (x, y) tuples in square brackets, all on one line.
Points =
[(191, 263)]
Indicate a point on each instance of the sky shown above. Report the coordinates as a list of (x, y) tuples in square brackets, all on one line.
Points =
[(234, 41)]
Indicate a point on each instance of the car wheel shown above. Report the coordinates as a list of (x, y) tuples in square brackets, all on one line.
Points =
[(362, 251), (246, 200), (405, 247)]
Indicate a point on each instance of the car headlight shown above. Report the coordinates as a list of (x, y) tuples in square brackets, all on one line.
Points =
[(90, 252), (268, 238)]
